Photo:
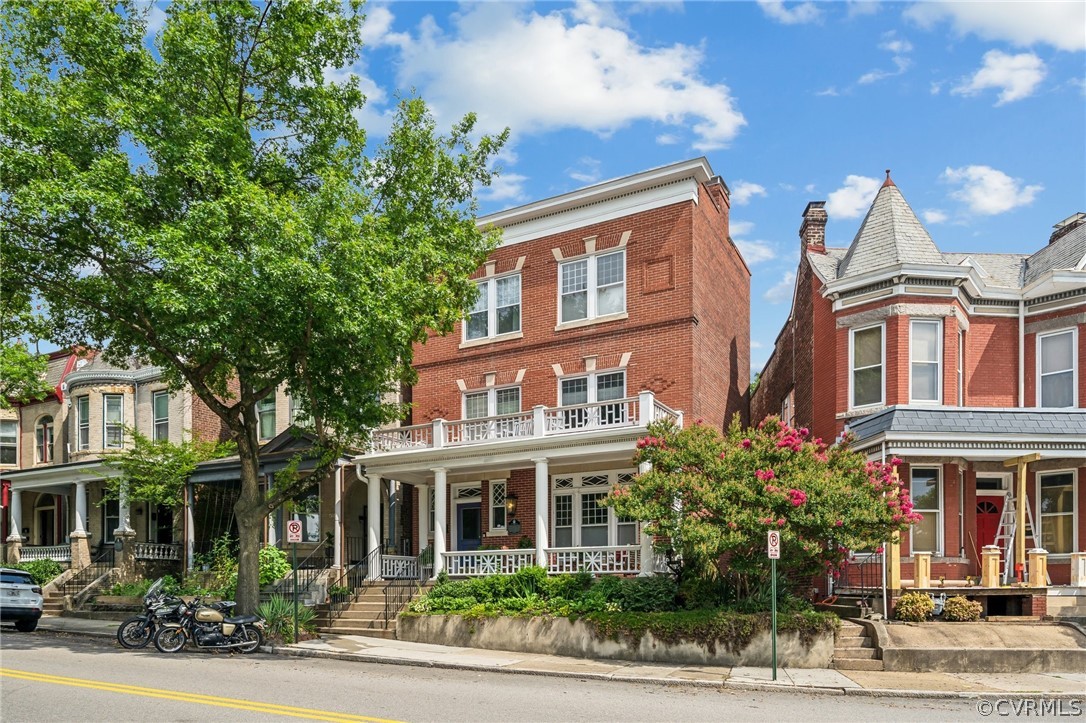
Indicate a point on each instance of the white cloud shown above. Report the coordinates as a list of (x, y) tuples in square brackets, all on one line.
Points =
[(1058, 24), (597, 14), (862, 7), (586, 171), (782, 290), (534, 73), (740, 228), (900, 48), (743, 191), (1016, 76), (804, 12), (852, 199), (987, 191), (831, 91), (667, 139), (754, 344), (934, 215), (506, 187), (156, 19), (809, 188), (755, 252)]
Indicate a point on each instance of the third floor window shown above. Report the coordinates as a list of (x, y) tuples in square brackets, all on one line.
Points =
[(1056, 369), (82, 421), (265, 412), (113, 421), (591, 287), (160, 402), (497, 309)]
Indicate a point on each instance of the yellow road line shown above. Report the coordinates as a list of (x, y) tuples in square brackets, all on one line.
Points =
[(250, 705)]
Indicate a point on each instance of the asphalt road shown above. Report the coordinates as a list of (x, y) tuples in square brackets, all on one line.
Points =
[(46, 677)]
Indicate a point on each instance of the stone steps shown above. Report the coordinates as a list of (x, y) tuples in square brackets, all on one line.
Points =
[(854, 650)]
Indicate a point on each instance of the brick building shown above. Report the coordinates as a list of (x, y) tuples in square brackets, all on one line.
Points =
[(967, 366), (603, 309)]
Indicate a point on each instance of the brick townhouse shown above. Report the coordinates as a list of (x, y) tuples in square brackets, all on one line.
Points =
[(602, 310), (966, 366)]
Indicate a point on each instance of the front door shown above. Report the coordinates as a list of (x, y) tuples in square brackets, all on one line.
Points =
[(989, 510), (469, 526)]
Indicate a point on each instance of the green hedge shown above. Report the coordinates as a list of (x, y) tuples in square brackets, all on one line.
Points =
[(43, 571)]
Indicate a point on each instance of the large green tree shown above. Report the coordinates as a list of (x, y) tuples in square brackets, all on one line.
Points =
[(203, 200)]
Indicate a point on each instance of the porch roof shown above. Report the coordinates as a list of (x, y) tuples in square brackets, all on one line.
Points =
[(975, 433), (53, 477), (275, 455)]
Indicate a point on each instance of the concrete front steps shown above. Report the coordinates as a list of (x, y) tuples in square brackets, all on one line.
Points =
[(362, 617), (854, 650)]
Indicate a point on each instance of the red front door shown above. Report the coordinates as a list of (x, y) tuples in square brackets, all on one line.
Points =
[(988, 511)]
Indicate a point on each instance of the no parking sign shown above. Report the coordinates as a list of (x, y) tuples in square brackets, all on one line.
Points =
[(294, 531), (774, 545)]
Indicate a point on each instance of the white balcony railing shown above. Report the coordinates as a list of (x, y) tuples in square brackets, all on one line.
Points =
[(617, 560), (60, 553), (158, 551), (399, 567), (541, 421), (487, 562)]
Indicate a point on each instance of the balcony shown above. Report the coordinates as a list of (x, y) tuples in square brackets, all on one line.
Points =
[(540, 423)]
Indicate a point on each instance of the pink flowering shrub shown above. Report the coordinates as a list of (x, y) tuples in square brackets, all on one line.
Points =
[(715, 496)]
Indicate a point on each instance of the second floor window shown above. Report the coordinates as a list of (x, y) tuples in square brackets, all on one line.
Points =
[(496, 310), (113, 421), (82, 421), (592, 287), (1056, 369), (592, 388), (9, 442), (265, 413), (925, 368), (43, 438), (160, 401), (866, 364)]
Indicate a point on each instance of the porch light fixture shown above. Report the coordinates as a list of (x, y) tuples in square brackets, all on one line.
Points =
[(511, 506)]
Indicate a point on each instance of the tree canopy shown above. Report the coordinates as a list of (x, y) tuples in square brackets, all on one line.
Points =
[(201, 198)]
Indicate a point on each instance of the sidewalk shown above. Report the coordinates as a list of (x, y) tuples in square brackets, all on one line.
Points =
[(831, 682)]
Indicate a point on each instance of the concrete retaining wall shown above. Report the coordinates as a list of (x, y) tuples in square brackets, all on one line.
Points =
[(576, 638)]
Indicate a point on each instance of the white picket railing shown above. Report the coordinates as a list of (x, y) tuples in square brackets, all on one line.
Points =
[(596, 415), (400, 438), (158, 551), (399, 567), (487, 562), (618, 560), (507, 426), (60, 553)]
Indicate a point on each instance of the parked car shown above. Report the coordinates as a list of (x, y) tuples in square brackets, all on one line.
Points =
[(20, 599)]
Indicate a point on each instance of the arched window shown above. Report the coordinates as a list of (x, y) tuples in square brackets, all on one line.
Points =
[(43, 434)]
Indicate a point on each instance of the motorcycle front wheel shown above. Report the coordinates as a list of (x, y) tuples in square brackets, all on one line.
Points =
[(170, 640), (135, 632), (251, 638)]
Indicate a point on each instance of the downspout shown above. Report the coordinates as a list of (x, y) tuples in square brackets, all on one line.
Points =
[(1021, 352)]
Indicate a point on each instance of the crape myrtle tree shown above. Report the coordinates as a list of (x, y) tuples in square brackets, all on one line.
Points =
[(714, 497), (200, 198)]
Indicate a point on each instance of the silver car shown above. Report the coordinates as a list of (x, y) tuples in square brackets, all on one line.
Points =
[(20, 599)]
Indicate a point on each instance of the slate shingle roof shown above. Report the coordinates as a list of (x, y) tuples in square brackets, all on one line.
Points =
[(1064, 253), (998, 423), (890, 234), (1005, 270)]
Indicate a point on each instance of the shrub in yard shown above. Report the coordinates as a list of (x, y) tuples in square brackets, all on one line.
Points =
[(43, 571), (960, 609), (914, 607), (278, 614)]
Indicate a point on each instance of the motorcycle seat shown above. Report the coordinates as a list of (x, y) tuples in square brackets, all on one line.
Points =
[(242, 619)]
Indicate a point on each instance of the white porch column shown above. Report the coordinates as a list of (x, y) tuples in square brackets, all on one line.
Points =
[(15, 533), (80, 508), (124, 522), (337, 520), (648, 566), (542, 508), (373, 520), (423, 493), (190, 527), (440, 491)]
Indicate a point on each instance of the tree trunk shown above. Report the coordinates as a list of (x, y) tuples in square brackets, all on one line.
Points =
[(250, 513)]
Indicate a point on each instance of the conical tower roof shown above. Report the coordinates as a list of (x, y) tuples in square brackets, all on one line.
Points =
[(891, 234)]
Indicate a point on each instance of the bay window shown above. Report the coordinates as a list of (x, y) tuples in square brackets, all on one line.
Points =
[(1056, 493), (1056, 362), (592, 287), (580, 520), (866, 353), (497, 309), (925, 365), (113, 421), (82, 423)]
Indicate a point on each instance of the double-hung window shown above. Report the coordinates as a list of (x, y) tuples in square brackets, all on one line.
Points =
[(9, 441), (82, 423), (160, 402), (43, 437), (493, 402), (592, 287), (1057, 507), (580, 520), (497, 309), (589, 389), (925, 490), (866, 362), (497, 506), (1056, 363), (113, 421), (265, 413), (925, 367)]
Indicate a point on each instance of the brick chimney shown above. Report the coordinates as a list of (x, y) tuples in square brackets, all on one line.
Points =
[(1066, 226), (812, 232)]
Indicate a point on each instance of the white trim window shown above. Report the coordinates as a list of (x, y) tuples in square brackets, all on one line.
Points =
[(925, 361), (592, 287), (82, 423), (1056, 504), (160, 406), (926, 491), (491, 402), (867, 350), (1057, 384), (9, 441), (788, 408), (497, 309), (498, 489), (579, 520), (43, 438), (265, 414), (588, 389), (112, 421)]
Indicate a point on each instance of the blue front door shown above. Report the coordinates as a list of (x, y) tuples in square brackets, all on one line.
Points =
[(469, 526)]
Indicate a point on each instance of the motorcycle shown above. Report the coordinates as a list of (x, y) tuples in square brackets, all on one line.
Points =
[(159, 609), (209, 627)]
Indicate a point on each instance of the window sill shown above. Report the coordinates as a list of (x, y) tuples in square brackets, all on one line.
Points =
[(500, 532), (590, 322), (861, 411), (491, 340)]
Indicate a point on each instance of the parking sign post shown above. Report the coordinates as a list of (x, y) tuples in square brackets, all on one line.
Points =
[(774, 551), (294, 536)]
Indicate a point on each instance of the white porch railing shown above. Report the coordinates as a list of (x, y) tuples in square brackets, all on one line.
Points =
[(487, 562), (617, 560), (399, 567), (60, 553), (541, 421), (158, 551)]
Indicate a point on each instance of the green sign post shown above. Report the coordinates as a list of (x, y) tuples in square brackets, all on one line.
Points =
[(294, 536), (774, 549)]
